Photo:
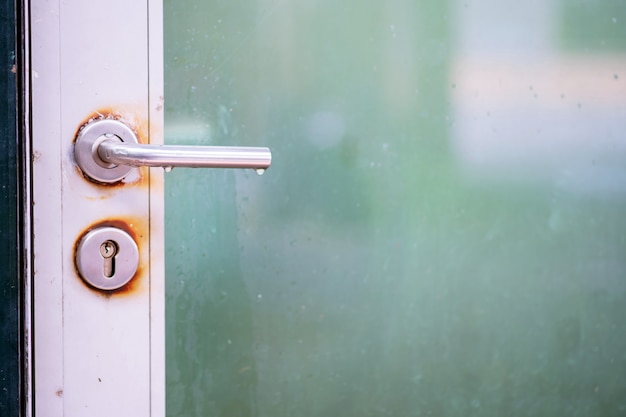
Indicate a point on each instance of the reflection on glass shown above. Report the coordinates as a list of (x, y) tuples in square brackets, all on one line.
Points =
[(442, 229)]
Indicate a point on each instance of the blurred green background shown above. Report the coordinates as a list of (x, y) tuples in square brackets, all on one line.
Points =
[(442, 231)]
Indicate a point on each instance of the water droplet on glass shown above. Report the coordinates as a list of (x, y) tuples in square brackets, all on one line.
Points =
[(260, 171), (168, 169), (259, 296)]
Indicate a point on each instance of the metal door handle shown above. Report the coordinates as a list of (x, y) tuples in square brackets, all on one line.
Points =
[(107, 150), (136, 155)]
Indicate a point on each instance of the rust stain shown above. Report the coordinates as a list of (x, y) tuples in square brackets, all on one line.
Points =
[(98, 198), (138, 229), (139, 126)]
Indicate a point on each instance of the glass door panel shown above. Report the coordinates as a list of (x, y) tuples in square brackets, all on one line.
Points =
[(441, 231)]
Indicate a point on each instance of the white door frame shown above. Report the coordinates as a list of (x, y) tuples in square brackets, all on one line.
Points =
[(95, 353)]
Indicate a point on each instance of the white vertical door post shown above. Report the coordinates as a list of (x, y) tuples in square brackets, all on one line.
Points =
[(96, 353)]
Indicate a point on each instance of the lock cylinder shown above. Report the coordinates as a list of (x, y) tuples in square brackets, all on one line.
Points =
[(107, 258)]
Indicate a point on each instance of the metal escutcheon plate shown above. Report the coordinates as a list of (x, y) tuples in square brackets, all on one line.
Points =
[(86, 150), (91, 263)]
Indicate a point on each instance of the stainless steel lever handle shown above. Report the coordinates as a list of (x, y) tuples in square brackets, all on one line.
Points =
[(107, 150), (120, 153)]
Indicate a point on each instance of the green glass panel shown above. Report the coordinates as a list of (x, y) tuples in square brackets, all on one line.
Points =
[(442, 230)]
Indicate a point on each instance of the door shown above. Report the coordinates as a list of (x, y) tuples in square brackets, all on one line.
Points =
[(441, 231)]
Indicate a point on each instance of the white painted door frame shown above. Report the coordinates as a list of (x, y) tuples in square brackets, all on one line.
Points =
[(95, 353)]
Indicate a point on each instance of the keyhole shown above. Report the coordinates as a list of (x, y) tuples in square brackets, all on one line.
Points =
[(108, 250)]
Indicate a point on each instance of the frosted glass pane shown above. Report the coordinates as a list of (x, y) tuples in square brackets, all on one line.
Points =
[(442, 230)]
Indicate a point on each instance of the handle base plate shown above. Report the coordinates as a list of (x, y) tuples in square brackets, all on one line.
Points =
[(86, 150)]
